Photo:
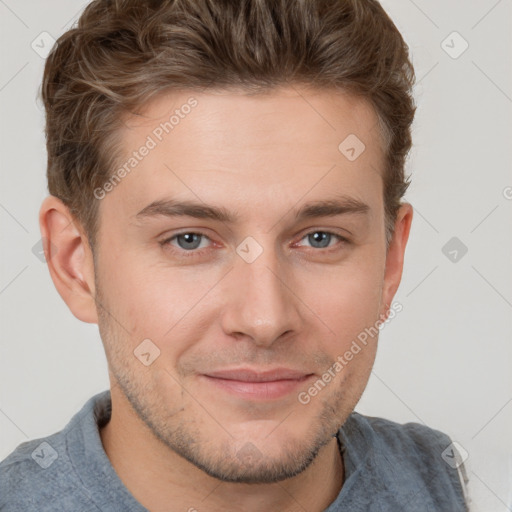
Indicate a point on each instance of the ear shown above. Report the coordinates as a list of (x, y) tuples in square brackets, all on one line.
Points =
[(69, 258), (395, 255)]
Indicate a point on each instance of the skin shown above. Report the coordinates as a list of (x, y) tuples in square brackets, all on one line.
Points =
[(176, 441)]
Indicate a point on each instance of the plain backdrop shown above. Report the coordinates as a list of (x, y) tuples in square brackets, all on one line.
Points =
[(445, 360)]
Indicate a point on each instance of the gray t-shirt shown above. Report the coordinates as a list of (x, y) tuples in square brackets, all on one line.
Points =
[(388, 468)]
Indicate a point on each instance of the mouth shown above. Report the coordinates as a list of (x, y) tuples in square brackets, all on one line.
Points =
[(258, 385)]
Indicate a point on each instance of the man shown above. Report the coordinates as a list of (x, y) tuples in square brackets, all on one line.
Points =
[(226, 181)]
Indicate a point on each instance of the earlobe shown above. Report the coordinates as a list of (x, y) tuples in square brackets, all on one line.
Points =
[(396, 253), (69, 258)]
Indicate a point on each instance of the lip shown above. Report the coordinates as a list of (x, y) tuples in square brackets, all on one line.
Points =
[(252, 384)]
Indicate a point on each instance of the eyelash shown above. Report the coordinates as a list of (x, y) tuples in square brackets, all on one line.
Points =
[(197, 252)]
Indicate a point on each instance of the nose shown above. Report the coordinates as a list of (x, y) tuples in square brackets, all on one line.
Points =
[(261, 301)]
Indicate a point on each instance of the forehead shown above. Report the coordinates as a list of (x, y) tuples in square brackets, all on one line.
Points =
[(291, 112), (280, 145)]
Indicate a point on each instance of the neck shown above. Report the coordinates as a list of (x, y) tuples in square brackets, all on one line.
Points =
[(156, 476)]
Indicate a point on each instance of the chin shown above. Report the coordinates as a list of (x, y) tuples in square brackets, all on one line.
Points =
[(252, 461)]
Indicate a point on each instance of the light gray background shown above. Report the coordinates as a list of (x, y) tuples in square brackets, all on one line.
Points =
[(445, 360)]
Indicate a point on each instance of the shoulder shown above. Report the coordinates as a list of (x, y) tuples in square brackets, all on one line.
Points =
[(38, 475), (425, 457), (412, 441), (415, 435)]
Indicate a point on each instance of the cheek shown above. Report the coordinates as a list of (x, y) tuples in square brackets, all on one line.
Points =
[(346, 299), (349, 307), (139, 299), (162, 305)]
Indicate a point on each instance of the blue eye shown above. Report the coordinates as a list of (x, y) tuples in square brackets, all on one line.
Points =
[(324, 239), (188, 243), (190, 240)]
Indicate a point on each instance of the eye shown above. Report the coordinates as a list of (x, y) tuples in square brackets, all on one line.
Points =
[(187, 243), (322, 239)]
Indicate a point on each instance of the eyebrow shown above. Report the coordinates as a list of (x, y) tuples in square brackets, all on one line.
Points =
[(340, 205)]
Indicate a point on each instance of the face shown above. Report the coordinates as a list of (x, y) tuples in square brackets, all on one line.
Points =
[(251, 290)]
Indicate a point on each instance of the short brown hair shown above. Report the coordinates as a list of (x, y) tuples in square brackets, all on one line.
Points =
[(124, 52)]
